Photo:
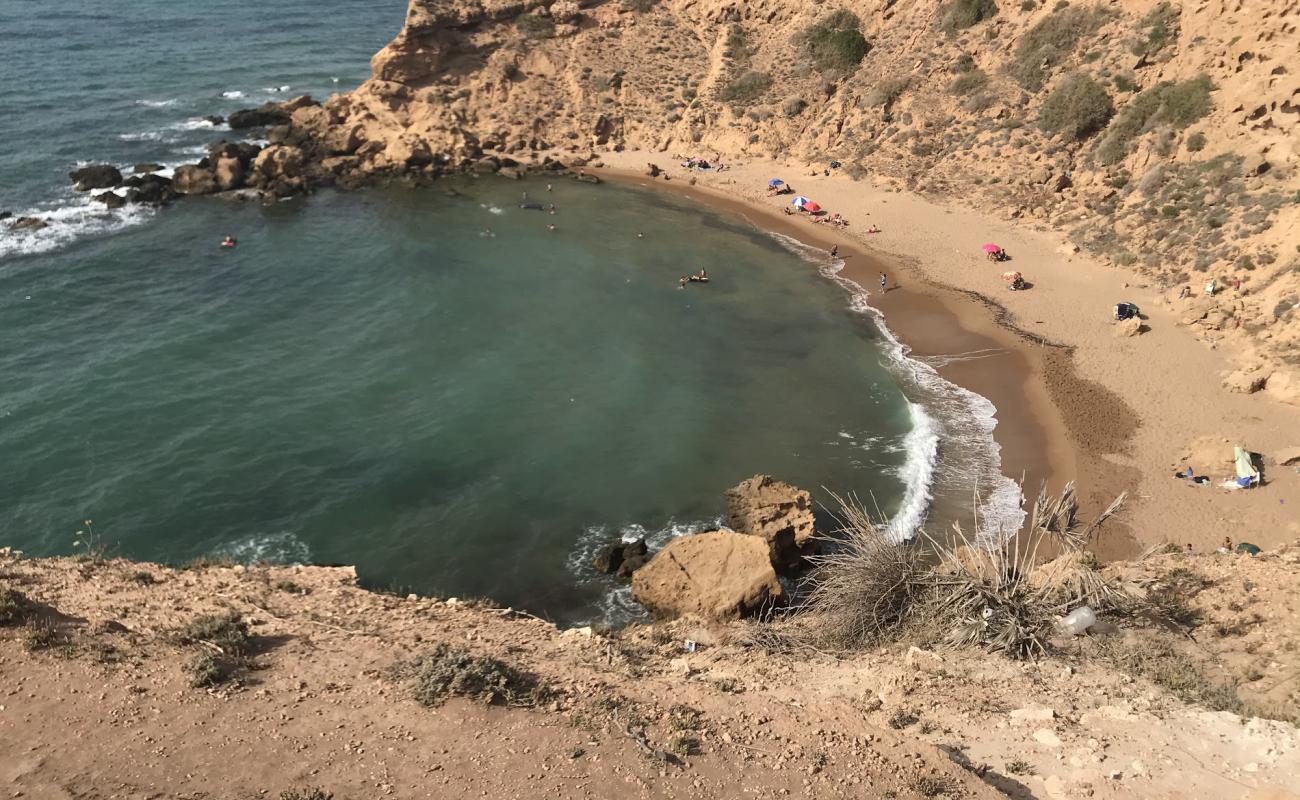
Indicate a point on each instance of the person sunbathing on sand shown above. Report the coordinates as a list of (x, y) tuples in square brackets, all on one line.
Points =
[(873, 229)]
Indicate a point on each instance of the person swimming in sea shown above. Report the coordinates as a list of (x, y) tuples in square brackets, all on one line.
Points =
[(551, 228), (681, 284), (229, 241)]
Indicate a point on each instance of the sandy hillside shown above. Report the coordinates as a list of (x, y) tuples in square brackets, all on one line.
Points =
[(98, 698)]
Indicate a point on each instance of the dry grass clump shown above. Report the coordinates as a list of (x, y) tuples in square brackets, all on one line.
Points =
[(866, 591), (1077, 108), (449, 671), (1051, 43)]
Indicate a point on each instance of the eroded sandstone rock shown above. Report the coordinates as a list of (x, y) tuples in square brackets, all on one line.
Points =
[(193, 179), (776, 512), (717, 575)]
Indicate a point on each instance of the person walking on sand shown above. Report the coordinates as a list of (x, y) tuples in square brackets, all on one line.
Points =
[(835, 250), (884, 281)]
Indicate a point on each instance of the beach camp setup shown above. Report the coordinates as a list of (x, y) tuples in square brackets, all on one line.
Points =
[(1125, 310), (804, 204), (1016, 280), (775, 182), (1247, 475)]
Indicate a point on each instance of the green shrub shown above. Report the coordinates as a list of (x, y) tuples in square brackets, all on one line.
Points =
[(835, 43), (1161, 25), (226, 631), (306, 794), (639, 5), (1196, 142), (448, 671), (1174, 104), (535, 26), (794, 106), (510, 71), (1028, 5), (969, 83), (961, 14), (13, 606), (1078, 107), (1050, 43), (747, 88), (964, 63), (1125, 83)]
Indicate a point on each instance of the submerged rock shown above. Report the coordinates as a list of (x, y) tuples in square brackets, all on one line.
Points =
[(614, 558), (263, 116), (28, 224), (110, 199), (718, 575)]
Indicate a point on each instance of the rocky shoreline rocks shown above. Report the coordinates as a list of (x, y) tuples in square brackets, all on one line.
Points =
[(723, 574)]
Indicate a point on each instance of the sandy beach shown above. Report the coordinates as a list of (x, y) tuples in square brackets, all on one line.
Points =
[(1074, 401)]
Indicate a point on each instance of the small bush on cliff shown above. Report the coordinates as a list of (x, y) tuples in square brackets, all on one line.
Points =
[(639, 5), (1174, 104), (535, 26), (747, 88), (13, 606), (223, 647), (1077, 108), (449, 671), (1161, 27), (969, 83), (835, 43), (1050, 43), (961, 14)]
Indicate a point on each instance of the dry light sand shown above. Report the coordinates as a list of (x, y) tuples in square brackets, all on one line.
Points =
[(1074, 401)]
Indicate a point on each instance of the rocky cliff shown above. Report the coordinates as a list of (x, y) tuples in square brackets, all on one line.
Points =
[(1160, 135)]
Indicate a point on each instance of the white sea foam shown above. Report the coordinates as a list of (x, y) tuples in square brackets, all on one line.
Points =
[(157, 103), (276, 89), (194, 124), (282, 547), (959, 418), (232, 95), (80, 216)]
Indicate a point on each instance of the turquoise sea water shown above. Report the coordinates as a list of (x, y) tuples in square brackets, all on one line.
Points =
[(427, 383)]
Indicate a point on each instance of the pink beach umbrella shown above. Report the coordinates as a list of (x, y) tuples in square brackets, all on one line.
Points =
[(811, 207), (991, 248)]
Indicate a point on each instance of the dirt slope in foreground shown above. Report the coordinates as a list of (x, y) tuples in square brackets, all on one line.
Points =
[(99, 703)]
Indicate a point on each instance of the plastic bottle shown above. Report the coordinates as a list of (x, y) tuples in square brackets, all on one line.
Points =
[(1078, 621)]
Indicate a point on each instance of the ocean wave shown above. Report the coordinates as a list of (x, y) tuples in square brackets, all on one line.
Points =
[(81, 216), (275, 548), (277, 89), (193, 124), (157, 103), (949, 413), (232, 95)]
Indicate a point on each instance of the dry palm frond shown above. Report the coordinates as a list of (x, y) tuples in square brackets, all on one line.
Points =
[(863, 589)]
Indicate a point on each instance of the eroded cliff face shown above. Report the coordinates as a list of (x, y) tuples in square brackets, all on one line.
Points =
[(1183, 178)]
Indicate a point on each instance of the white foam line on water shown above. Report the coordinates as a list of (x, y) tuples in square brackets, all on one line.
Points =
[(157, 103), (80, 216), (1001, 512)]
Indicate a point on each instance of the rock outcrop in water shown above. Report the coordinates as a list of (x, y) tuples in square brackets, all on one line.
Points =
[(776, 512), (95, 176), (717, 575)]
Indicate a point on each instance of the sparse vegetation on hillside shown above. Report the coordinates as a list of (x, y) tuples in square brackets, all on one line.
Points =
[(535, 26), (747, 88), (836, 43), (222, 645), (447, 671), (1078, 107), (969, 83), (1051, 43), (12, 606), (961, 14), (1176, 105), (1159, 29)]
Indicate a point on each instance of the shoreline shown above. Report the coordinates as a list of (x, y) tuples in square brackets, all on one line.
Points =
[(933, 321), (1119, 414)]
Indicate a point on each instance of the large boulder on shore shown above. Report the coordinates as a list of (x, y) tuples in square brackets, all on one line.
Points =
[(229, 173), (776, 512), (96, 176), (193, 179), (717, 575)]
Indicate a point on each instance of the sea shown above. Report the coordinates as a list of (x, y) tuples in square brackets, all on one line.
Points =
[(430, 383)]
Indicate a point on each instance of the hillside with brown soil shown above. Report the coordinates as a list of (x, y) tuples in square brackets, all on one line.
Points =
[(123, 679), (1163, 136)]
